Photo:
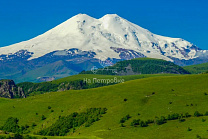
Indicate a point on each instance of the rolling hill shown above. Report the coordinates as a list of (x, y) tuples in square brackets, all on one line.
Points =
[(78, 82), (195, 69), (139, 66), (9, 89), (145, 99)]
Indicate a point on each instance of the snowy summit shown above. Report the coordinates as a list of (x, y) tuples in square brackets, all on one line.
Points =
[(105, 37)]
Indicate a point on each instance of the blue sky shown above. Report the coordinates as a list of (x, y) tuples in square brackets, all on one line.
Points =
[(24, 19)]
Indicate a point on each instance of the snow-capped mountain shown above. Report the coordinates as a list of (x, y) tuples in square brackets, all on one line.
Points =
[(100, 35), (111, 37)]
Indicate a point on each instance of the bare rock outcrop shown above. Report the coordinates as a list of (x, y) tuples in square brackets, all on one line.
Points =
[(8, 89)]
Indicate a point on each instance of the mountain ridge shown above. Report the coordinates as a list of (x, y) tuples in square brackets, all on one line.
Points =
[(87, 33), (82, 42)]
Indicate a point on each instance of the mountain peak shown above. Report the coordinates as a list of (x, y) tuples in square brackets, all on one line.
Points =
[(107, 16), (110, 16), (100, 35), (81, 17)]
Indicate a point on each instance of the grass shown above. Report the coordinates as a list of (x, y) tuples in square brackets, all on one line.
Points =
[(180, 90), (91, 76), (196, 69), (90, 81)]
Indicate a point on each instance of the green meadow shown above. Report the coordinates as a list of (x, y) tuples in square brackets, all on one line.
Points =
[(145, 98), (196, 69)]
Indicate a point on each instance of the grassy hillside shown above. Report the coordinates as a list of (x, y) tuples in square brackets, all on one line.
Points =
[(141, 99), (77, 82), (140, 66), (195, 69)]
